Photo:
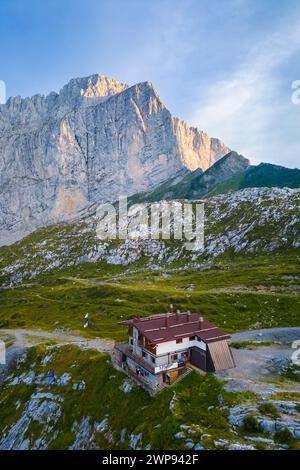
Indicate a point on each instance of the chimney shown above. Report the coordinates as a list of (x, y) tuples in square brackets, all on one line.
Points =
[(201, 320), (171, 308), (177, 314), (188, 315)]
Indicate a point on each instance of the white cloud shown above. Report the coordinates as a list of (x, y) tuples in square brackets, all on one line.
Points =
[(246, 108)]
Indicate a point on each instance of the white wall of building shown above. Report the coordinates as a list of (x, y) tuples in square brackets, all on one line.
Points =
[(172, 346), (163, 349)]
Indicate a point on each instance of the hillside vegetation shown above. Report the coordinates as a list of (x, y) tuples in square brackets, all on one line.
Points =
[(246, 277), (247, 222), (230, 173), (237, 294), (61, 397)]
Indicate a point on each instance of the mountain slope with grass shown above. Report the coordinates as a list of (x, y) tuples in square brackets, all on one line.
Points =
[(196, 184), (251, 221), (231, 173), (66, 397), (62, 396), (246, 276), (79, 406), (262, 175)]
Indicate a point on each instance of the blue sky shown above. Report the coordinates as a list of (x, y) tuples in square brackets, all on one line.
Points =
[(225, 66)]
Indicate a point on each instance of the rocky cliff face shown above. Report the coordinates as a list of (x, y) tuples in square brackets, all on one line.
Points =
[(197, 184), (230, 165), (96, 139)]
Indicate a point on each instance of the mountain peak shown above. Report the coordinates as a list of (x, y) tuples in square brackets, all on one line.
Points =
[(93, 86), (233, 161), (94, 140)]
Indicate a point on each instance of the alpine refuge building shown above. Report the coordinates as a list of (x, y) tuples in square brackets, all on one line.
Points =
[(160, 347)]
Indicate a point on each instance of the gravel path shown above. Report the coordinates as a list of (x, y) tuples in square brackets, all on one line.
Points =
[(24, 339), (255, 368), (29, 338), (252, 365), (281, 335)]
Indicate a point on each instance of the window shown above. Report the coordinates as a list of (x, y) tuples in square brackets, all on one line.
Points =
[(192, 338), (179, 340), (175, 357), (131, 341), (144, 354), (153, 359)]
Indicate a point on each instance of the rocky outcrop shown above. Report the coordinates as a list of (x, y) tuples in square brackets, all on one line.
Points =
[(196, 148), (228, 166), (91, 142), (232, 224), (198, 184), (42, 409), (267, 425)]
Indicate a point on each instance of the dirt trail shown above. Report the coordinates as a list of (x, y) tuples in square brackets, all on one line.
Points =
[(280, 335), (251, 372), (23, 339), (28, 337), (256, 368)]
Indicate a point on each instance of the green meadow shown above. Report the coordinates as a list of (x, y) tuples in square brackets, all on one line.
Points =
[(235, 293)]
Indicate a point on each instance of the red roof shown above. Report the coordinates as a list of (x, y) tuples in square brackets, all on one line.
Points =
[(169, 327)]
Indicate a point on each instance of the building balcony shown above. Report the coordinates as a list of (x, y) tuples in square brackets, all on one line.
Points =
[(127, 350), (166, 367)]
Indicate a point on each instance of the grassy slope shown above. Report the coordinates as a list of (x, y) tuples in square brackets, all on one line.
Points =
[(262, 175), (171, 189), (269, 175), (103, 397), (237, 294), (194, 185), (253, 221)]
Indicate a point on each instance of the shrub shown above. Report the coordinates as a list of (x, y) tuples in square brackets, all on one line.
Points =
[(284, 436), (292, 373), (251, 424), (269, 409)]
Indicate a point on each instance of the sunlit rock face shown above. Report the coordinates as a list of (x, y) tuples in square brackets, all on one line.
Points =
[(196, 148), (95, 140)]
